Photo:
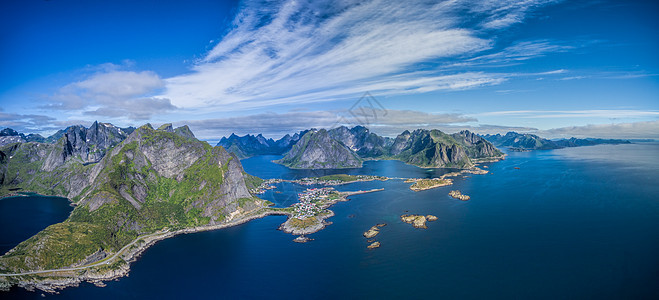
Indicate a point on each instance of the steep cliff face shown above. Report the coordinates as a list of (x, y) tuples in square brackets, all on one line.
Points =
[(151, 180), (317, 150), (429, 148), (476, 146), (86, 145), (361, 140)]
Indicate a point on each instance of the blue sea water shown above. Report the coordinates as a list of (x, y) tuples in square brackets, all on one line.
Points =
[(569, 223), (24, 216)]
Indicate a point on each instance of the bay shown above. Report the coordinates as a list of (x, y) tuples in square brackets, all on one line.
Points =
[(568, 223)]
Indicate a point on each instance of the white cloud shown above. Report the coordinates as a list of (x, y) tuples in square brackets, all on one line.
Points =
[(635, 130), (601, 113), (305, 51), (113, 93)]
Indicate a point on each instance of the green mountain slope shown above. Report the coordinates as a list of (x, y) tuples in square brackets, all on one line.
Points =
[(152, 180)]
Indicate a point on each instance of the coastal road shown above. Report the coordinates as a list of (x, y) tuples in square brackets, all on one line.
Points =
[(100, 263)]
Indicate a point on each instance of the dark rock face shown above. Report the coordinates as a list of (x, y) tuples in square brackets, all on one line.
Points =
[(85, 144), (8, 132), (317, 150)]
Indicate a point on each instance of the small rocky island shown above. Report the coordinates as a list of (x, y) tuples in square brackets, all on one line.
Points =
[(371, 233), (458, 195), (373, 245), (418, 221)]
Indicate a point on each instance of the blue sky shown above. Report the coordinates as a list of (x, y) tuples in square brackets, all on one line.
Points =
[(556, 68)]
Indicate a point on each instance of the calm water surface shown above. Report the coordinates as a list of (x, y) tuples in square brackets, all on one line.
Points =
[(569, 223)]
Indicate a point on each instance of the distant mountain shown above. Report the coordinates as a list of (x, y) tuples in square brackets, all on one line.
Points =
[(575, 142), (250, 145), (526, 141), (523, 141), (433, 148), (10, 136), (318, 150)]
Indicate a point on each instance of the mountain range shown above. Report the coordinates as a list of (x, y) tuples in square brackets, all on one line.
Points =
[(250, 145), (344, 147), (526, 141)]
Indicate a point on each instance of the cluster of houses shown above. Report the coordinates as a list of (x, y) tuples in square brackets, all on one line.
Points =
[(307, 206), (265, 185), (317, 180)]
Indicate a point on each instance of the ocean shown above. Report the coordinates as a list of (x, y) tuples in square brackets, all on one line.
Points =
[(568, 223)]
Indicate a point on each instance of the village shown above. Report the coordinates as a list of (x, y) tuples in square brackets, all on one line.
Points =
[(310, 205)]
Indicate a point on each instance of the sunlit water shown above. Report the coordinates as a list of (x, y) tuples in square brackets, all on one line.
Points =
[(569, 223)]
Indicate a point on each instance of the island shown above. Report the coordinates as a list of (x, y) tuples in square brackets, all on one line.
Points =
[(458, 195), (422, 184), (418, 221), (373, 245), (426, 184)]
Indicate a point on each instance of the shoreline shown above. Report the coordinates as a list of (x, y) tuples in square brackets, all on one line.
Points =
[(51, 281)]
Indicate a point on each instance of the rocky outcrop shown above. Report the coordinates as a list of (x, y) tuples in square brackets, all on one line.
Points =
[(317, 150), (373, 245), (372, 232), (418, 221), (458, 195)]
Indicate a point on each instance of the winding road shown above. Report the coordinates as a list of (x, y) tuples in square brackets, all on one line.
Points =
[(96, 264)]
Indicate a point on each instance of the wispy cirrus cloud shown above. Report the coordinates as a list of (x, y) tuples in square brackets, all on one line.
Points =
[(306, 51)]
